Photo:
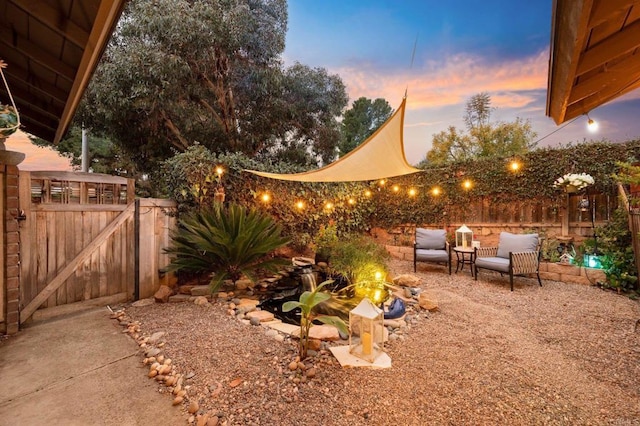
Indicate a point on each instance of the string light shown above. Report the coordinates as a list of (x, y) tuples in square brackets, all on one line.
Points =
[(328, 205), (266, 197), (219, 170), (412, 192), (367, 193), (396, 188), (514, 166), (351, 201), (300, 205), (467, 184), (436, 191), (592, 125)]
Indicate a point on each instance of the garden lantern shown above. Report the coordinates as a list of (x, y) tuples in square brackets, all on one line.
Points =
[(366, 330), (464, 237)]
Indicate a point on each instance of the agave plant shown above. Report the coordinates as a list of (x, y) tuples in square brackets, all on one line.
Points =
[(229, 243)]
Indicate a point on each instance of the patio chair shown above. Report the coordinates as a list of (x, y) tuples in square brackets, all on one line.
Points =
[(515, 255), (431, 245)]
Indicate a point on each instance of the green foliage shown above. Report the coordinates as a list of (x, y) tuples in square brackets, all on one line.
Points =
[(357, 258), (483, 139), (617, 258), (361, 121), (228, 242), (308, 301), (180, 71), (8, 120)]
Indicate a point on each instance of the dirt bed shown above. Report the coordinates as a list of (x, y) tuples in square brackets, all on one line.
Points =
[(558, 354)]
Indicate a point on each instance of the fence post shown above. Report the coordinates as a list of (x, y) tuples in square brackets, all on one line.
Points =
[(136, 250)]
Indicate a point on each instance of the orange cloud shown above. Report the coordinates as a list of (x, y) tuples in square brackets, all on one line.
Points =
[(37, 158), (452, 80)]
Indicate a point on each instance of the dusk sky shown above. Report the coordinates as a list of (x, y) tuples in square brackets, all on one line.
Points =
[(464, 47)]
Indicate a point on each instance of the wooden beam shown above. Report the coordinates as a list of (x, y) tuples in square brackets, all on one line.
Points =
[(569, 36), (17, 75), (614, 78), (70, 268), (612, 47), (79, 177), (54, 19), (37, 54), (603, 9), (108, 14), (598, 99)]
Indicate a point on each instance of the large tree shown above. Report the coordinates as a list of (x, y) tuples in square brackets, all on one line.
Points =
[(180, 71), (361, 120), (483, 138)]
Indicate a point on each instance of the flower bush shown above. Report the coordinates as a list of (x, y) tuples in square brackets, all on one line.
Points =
[(577, 180)]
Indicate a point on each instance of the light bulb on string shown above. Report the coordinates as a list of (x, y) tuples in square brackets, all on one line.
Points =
[(592, 125), (367, 193), (351, 201), (412, 192), (300, 205), (436, 191), (514, 166), (266, 197), (467, 184), (396, 188)]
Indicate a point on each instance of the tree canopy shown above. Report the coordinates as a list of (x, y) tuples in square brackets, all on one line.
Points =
[(483, 138), (361, 121), (180, 71)]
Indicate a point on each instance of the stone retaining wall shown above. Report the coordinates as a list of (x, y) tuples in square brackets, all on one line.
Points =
[(548, 271)]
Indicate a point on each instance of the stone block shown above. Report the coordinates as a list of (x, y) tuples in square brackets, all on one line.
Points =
[(550, 276), (178, 298), (200, 290), (542, 267), (593, 274), (263, 316), (576, 279), (162, 295), (324, 332), (559, 268)]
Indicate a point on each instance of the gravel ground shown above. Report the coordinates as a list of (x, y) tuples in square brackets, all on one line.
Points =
[(561, 354)]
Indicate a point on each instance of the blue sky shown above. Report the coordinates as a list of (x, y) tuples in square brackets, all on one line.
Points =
[(463, 48)]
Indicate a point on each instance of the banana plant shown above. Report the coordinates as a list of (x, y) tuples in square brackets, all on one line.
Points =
[(308, 301)]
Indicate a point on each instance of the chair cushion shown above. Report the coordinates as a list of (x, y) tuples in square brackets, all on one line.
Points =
[(430, 238), (516, 243), (428, 255), (494, 263)]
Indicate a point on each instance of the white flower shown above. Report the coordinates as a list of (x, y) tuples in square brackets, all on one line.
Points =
[(579, 180)]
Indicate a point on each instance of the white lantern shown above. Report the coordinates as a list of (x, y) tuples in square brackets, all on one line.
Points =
[(366, 331), (464, 237)]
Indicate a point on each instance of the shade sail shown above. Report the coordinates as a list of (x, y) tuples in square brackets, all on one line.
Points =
[(380, 156)]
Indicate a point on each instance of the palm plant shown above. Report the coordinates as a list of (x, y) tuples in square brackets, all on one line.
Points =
[(228, 242)]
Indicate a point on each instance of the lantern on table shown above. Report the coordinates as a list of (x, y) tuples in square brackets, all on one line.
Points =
[(464, 237), (366, 331)]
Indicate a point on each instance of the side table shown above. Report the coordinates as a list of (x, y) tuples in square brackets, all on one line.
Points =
[(465, 256)]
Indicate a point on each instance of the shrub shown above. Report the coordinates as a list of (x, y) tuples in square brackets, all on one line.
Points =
[(229, 243)]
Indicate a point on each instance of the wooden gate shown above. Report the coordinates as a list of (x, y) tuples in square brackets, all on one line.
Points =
[(77, 240)]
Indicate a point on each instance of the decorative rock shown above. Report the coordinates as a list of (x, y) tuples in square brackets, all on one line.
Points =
[(222, 295), (314, 344), (179, 298), (152, 352), (243, 284), (201, 290), (213, 421), (143, 302), (392, 323), (185, 289), (324, 332), (177, 400), (406, 280), (343, 336), (152, 373), (155, 337), (201, 301), (271, 332), (263, 316), (202, 420), (293, 366), (162, 295), (311, 373), (193, 407), (279, 338), (254, 320), (428, 303), (190, 375), (236, 382)]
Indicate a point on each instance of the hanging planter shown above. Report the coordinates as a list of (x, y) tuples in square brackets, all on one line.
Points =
[(9, 117)]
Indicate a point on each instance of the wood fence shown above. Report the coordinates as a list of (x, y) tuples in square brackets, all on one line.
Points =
[(80, 241)]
